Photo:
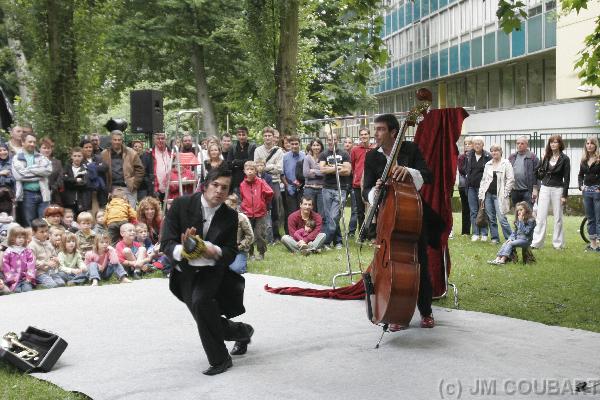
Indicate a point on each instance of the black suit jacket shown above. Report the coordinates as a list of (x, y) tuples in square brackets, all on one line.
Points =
[(76, 193), (186, 212)]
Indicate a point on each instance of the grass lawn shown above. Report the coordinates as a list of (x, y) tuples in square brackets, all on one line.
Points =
[(562, 288)]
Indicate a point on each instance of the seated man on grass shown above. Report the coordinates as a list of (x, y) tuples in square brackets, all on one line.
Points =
[(304, 227)]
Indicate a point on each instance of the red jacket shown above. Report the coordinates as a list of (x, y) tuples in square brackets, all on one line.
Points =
[(357, 161), (295, 223), (256, 196)]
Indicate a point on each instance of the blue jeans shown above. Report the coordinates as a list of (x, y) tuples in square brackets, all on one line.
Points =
[(473, 208), (591, 204), (353, 214), (332, 209), (240, 264), (23, 286), (49, 280), (517, 196), (317, 196), (94, 271), (492, 209), (33, 206), (508, 247)]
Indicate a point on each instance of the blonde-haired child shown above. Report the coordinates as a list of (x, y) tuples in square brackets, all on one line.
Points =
[(85, 235), (118, 212), (102, 261), (521, 236), (18, 262), (71, 264)]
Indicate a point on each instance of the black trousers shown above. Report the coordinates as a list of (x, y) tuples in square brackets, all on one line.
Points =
[(466, 212), (360, 207), (199, 289)]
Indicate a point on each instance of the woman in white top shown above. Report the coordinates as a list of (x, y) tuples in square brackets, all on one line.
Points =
[(494, 190)]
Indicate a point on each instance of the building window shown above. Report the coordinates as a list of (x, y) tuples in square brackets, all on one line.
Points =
[(465, 55), (550, 29), (549, 79), (508, 92), (471, 90), (535, 73), (443, 62), (518, 41), (489, 47), (494, 90), (520, 84), (454, 60), (503, 41), (482, 91), (534, 33), (425, 68), (476, 52)]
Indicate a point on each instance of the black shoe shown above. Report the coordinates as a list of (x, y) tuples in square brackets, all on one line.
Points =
[(137, 274), (241, 346), (220, 368)]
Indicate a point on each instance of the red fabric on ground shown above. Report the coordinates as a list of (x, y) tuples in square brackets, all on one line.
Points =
[(436, 137), (352, 292)]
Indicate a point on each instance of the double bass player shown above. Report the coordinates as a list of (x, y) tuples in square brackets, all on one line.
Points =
[(410, 164)]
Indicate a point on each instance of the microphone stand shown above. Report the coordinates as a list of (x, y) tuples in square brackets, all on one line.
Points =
[(342, 225)]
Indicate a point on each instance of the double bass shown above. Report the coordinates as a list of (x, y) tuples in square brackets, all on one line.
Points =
[(392, 279)]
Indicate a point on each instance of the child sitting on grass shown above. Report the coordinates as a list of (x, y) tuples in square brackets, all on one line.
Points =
[(118, 213), (132, 254), (100, 227), (85, 235), (56, 238), (18, 262), (521, 236), (46, 257), (71, 264), (102, 261), (245, 237), (68, 221)]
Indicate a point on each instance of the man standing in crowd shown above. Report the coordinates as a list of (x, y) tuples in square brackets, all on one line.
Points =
[(240, 153), (161, 159), (95, 139), (125, 168), (410, 162), (225, 146), (202, 279), (292, 185), (273, 158), (357, 161), (187, 144), (15, 143), (333, 205), (524, 163), (31, 170)]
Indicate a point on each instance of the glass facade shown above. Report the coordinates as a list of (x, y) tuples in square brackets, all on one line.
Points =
[(459, 43)]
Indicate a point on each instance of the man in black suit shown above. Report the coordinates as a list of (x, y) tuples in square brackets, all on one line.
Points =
[(410, 162), (211, 291)]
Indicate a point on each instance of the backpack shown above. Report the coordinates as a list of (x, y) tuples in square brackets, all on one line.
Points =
[(300, 172)]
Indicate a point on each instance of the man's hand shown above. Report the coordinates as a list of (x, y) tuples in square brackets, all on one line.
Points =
[(211, 252), (1, 284), (5, 172), (400, 173), (563, 201), (188, 233), (534, 195)]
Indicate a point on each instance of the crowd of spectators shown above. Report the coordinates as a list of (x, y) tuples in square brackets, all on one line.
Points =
[(100, 213)]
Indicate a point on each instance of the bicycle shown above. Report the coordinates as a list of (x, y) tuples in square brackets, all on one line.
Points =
[(583, 232)]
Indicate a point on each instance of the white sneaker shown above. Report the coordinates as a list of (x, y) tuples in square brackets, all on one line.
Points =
[(474, 238), (495, 241), (484, 238)]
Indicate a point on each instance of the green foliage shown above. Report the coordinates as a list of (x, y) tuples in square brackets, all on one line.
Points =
[(510, 13)]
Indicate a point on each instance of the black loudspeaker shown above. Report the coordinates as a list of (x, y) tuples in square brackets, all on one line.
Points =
[(146, 111)]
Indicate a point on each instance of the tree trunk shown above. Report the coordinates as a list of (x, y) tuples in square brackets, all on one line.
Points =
[(209, 120), (21, 68), (287, 67), (61, 105)]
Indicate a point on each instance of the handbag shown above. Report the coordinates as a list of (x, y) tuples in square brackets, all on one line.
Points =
[(481, 220)]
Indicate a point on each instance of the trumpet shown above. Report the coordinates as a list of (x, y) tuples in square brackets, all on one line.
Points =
[(10, 341)]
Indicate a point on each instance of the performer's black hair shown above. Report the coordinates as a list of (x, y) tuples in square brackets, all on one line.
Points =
[(216, 173), (390, 120)]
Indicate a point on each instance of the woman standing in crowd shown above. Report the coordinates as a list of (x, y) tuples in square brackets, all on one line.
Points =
[(475, 164), (148, 212), (7, 182), (96, 173), (589, 184), (494, 191), (77, 194), (313, 178), (462, 186), (55, 180), (555, 173), (214, 159)]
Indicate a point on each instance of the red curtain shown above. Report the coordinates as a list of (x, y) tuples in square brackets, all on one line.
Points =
[(436, 137)]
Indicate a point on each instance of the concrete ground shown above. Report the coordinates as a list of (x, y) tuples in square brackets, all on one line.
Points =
[(137, 341)]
